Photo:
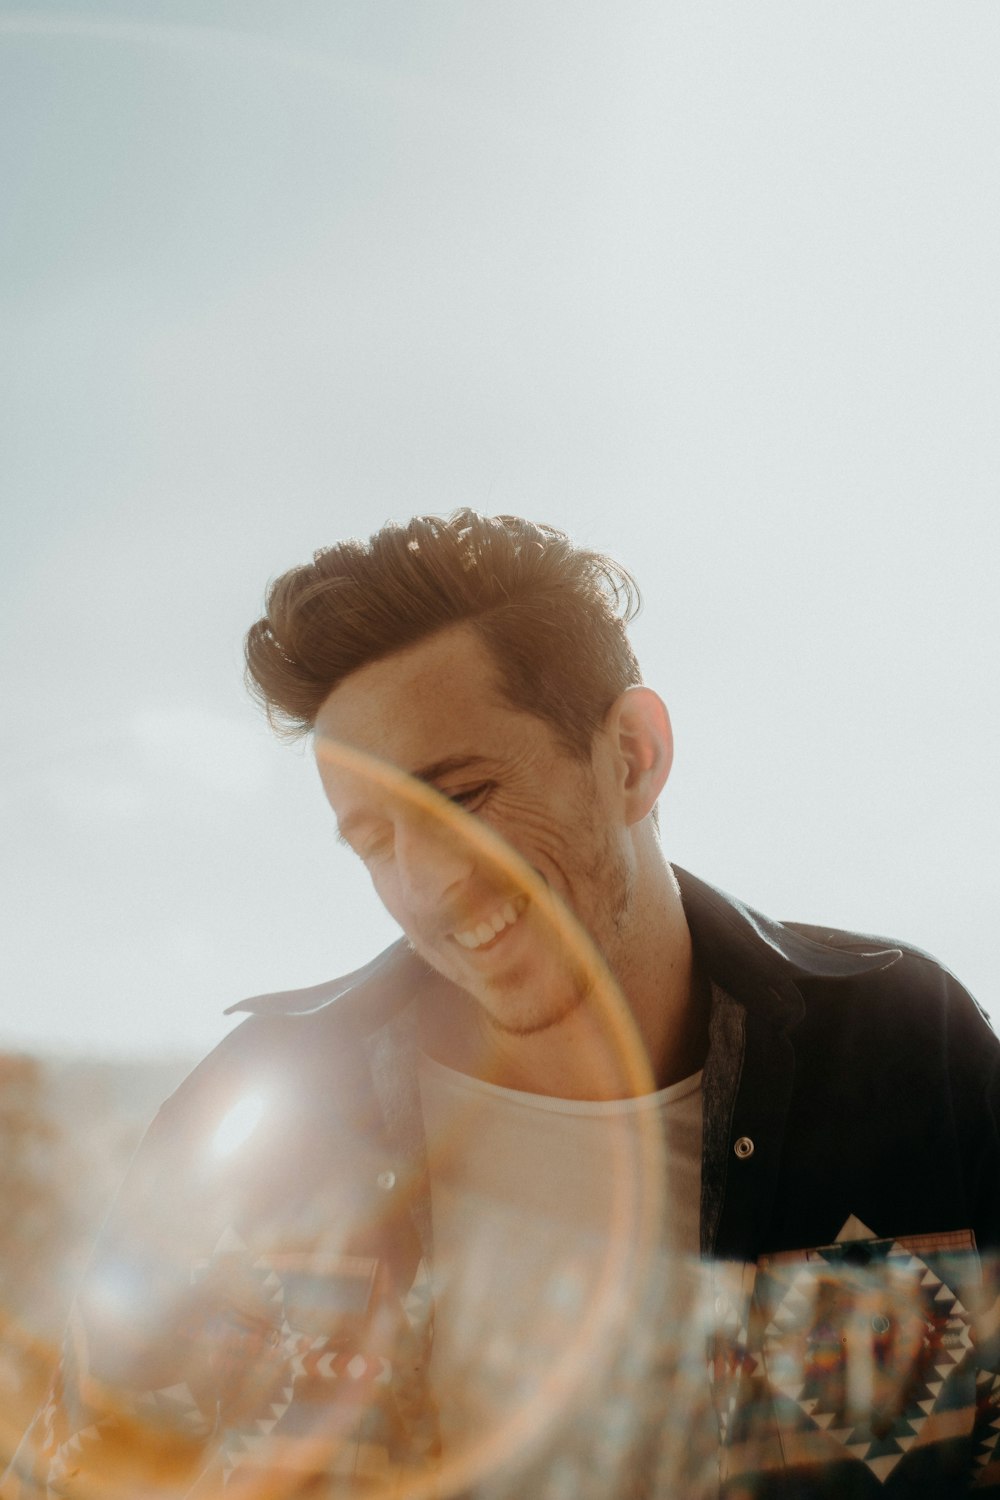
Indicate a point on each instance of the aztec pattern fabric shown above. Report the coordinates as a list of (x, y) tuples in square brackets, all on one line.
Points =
[(279, 1373), (861, 1367), (853, 1369)]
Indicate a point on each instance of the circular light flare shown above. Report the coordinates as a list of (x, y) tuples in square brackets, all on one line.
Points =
[(237, 1125), (637, 1198)]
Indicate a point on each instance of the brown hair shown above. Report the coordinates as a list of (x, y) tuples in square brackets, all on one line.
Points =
[(552, 615)]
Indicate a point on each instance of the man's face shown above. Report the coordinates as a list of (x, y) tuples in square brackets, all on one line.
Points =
[(436, 711)]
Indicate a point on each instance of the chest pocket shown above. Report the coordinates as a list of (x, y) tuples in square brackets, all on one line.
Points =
[(866, 1349)]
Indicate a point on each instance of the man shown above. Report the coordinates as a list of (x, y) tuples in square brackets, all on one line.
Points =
[(598, 1182)]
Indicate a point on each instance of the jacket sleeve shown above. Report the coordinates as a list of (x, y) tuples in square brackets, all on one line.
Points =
[(132, 1406), (241, 1326), (222, 1387), (974, 1065), (986, 1159)]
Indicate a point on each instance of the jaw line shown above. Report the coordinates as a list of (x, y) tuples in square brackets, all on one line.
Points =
[(536, 1028)]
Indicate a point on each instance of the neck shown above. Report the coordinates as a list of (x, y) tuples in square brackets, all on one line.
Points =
[(602, 1049)]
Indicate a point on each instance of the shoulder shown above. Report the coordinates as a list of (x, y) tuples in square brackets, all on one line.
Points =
[(368, 995), (914, 974), (297, 1061), (911, 1025)]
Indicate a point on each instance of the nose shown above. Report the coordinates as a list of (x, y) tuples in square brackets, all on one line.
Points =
[(433, 862)]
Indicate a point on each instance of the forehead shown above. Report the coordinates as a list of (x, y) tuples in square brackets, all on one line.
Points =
[(438, 698)]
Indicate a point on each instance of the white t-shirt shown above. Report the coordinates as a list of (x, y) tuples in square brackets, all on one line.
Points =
[(568, 1343)]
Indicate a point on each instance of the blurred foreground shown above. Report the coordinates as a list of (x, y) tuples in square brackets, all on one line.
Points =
[(856, 1363), (68, 1128)]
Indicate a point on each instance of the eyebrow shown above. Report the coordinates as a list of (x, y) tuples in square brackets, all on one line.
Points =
[(427, 774)]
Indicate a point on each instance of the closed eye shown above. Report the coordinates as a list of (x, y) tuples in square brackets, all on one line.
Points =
[(374, 840), (374, 849), (366, 843), (472, 797)]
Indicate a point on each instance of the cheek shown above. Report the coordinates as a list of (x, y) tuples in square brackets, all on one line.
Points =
[(547, 835)]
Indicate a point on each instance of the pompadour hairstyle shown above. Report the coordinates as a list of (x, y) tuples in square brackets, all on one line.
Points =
[(552, 615)]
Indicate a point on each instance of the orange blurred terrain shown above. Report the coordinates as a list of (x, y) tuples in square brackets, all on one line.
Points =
[(68, 1128)]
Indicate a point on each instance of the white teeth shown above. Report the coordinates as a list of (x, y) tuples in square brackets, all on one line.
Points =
[(484, 931)]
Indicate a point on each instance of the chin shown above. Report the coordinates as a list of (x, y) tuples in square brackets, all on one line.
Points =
[(522, 1015)]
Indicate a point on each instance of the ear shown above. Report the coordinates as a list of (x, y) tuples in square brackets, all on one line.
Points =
[(642, 741)]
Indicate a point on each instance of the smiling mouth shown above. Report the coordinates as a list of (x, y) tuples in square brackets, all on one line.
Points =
[(490, 928)]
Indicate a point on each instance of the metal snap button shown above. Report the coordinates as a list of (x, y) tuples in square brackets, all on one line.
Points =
[(386, 1181), (744, 1147), (880, 1323)]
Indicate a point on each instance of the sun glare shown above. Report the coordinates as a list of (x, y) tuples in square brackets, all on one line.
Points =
[(237, 1125)]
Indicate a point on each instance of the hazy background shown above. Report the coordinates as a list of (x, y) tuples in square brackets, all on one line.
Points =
[(713, 286)]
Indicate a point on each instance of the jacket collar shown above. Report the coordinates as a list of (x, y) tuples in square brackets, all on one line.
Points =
[(738, 943), (735, 942)]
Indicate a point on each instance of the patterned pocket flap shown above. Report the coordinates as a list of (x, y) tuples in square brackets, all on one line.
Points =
[(866, 1345)]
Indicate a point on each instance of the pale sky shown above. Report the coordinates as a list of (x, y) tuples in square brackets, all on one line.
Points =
[(712, 286)]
